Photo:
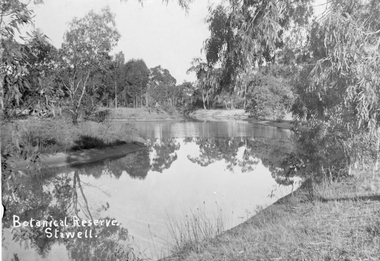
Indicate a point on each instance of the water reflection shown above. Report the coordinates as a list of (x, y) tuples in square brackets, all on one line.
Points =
[(163, 153), (163, 130), (173, 175), (42, 213)]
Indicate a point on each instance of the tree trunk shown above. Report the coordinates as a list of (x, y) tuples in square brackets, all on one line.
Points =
[(376, 167), (204, 101), (115, 95), (245, 96), (208, 100), (74, 117)]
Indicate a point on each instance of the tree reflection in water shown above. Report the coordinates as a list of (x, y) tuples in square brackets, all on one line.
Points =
[(50, 196), (136, 164), (58, 198), (270, 152), (164, 151)]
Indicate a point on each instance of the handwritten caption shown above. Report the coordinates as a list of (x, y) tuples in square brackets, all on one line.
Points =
[(56, 228)]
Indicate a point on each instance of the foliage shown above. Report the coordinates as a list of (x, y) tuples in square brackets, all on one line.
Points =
[(246, 34), (162, 87), (136, 76), (13, 15), (41, 57), (268, 96), (340, 91), (84, 53), (207, 80)]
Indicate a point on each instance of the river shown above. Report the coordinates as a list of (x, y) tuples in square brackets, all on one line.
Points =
[(219, 172)]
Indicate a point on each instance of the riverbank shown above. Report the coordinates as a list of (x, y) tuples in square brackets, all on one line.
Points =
[(238, 115), (56, 142), (158, 114), (328, 221), (75, 158), (143, 114)]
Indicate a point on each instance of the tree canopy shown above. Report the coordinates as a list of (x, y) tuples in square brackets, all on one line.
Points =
[(85, 51)]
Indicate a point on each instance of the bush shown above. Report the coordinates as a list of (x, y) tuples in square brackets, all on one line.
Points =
[(263, 104), (330, 151)]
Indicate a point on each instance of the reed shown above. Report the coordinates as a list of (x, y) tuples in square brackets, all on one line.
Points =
[(341, 222), (196, 227)]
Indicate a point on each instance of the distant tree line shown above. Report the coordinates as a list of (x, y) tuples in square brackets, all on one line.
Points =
[(269, 57), (82, 75)]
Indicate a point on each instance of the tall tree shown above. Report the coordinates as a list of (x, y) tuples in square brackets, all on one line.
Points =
[(14, 14), (85, 51), (247, 34), (41, 62), (208, 79), (161, 84), (117, 70), (338, 89), (137, 78)]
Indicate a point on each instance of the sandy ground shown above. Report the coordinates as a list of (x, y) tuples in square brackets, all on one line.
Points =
[(142, 114), (238, 115), (157, 114)]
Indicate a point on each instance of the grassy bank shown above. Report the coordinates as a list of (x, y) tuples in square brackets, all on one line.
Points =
[(327, 221), (60, 135), (52, 135)]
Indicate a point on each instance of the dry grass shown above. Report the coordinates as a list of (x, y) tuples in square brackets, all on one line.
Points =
[(343, 225)]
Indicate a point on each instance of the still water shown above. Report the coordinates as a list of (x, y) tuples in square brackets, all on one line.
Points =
[(217, 170)]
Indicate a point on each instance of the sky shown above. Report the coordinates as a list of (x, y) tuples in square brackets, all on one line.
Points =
[(159, 33)]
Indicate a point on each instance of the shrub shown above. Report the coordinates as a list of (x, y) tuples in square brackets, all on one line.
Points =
[(330, 151)]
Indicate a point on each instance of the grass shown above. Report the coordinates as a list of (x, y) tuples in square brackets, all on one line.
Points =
[(327, 221), (191, 231), (60, 135)]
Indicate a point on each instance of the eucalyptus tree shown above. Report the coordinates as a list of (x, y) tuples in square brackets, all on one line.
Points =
[(160, 88), (207, 79), (136, 75), (84, 52), (248, 34), (41, 57), (117, 70), (342, 90), (14, 14)]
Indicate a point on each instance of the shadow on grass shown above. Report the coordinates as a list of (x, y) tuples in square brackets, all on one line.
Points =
[(86, 142), (355, 198)]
